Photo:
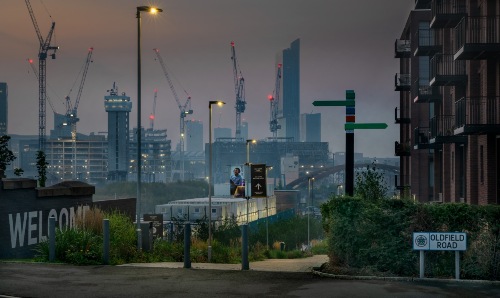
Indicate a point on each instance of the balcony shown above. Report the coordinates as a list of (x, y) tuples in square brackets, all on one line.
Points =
[(447, 13), (423, 4), (402, 82), (477, 38), (421, 138), (442, 130), (402, 48), (426, 45), (402, 149), (423, 93), (477, 115), (445, 71), (400, 120)]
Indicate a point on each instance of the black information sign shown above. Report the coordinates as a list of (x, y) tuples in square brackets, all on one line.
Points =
[(258, 179), (157, 220)]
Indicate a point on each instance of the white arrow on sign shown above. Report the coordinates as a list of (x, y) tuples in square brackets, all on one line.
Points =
[(258, 186)]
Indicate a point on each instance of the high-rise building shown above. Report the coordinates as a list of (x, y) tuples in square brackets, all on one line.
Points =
[(310, 127), (449, 102), (244, 130), (194, 135), (3, 109), (222, 132), (290, 101), (118, 108)]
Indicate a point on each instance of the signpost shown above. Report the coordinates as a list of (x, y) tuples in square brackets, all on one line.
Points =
[(258, 181), (350, 126), (443, 241)]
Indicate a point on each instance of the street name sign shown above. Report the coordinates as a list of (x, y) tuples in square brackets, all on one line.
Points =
[(351, 126), (453, 241)]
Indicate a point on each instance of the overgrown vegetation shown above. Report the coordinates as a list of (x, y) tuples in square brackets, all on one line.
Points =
[(372, 234), (41, 166), (82, 245), (6, 157)]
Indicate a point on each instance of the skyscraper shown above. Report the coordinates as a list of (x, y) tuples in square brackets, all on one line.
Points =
[(290, 103), (222, 132), (3, 109), (118, 108), (310, 127), (194, 135)]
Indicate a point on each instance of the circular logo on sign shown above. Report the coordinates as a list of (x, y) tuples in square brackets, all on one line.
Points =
[(421, 241)]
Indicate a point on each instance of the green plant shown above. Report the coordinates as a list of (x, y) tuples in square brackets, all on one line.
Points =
[(41, 166), (370, 184), (6, 155)]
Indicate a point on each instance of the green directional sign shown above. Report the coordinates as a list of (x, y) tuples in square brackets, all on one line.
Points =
[(333, 103), (351, 126)]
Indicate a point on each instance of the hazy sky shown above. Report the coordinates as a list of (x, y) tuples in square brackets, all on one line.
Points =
[(344, 45)]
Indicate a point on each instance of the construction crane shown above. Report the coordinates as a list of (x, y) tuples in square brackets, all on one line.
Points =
[(152, 115), (185, 109), (35, 72), (274, 100), (72, 109), (44, 48), (239, 89)]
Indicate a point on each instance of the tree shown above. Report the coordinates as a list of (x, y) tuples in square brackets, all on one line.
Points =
[(41, 166), (6, 155), (370, 184)]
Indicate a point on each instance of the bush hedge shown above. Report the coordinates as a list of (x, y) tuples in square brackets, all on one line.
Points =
[(377, 235)]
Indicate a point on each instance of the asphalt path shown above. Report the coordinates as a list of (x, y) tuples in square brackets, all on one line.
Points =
[(171, 280)]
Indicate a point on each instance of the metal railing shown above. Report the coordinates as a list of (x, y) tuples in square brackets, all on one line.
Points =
[(477, 30), (477, 111), (445, 65), (402, 47), (402, 80), (448, 7), (421, 135), (442, 126)]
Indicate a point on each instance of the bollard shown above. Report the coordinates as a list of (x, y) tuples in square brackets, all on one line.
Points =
[(171, 234), (105, 244), (187, 246), (52, 239), (244, 247), (282, 246)]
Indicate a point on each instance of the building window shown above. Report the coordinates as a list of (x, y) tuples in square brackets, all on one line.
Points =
[(197, 210), (214, 211)]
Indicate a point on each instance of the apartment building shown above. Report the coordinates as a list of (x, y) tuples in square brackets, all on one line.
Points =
[(449, 84)]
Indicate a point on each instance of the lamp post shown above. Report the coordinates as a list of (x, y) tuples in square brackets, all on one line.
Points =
[(308, 210), (210, 103), (268, 168), (247, 184), (152, 10)]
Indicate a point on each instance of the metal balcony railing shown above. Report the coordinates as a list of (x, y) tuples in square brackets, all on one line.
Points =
[(402, 82), (447, 71), (476, 35), (423, 93), (421, 136), (447, 13), (477, 111), (423, 4), (402, 48), (442, 126)]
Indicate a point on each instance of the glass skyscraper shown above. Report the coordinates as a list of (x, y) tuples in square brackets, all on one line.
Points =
[(290, 102)]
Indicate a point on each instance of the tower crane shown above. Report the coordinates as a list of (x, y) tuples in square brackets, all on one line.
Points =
[(35, 72), (185, 109), (45, 47), (239, 89), (274, 100), (72, 109), (152, 115)]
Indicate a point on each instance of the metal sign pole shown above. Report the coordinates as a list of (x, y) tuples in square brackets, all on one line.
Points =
[(422, 264)]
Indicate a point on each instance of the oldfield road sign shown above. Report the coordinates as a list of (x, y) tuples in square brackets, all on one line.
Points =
[(439, 241)]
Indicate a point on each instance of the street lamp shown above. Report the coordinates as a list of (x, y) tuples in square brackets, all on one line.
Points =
[(210, 103), (152, 10), (308, 210), (247, 190)]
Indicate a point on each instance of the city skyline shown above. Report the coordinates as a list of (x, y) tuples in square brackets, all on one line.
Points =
[(343, 46)]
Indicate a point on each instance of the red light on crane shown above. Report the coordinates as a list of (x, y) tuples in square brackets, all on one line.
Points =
[(270, 97), (279, 65), (152, 117), (232, 44)]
